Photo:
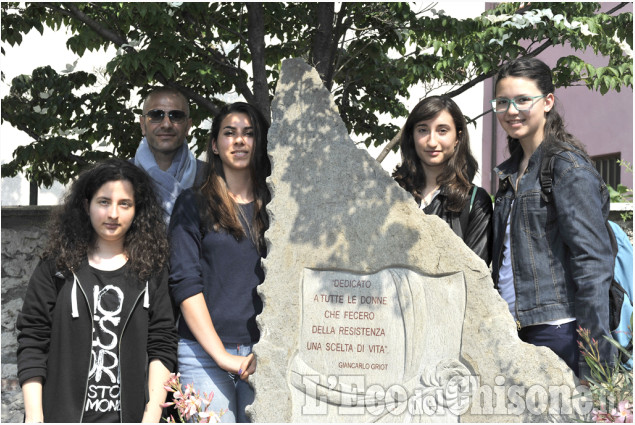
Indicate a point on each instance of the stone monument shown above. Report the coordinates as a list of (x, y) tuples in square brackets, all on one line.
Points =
[(374, 311)]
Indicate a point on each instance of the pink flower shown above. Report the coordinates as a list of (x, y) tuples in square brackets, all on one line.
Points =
[(191, 407), (595, 415), (598, 416), (173, 382), (624, 412), (215, 417), (204, 417), (189, 389), (208, 399)]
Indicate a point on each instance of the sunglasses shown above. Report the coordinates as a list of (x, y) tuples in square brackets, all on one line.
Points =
[(157, 115)]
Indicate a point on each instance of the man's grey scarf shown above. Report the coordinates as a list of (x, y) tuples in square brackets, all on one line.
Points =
[(168, 184)]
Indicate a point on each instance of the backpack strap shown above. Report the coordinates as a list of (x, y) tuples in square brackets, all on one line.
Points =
[(546, 174), (465, 213), (546, 192), (473, 197), (546, 179)]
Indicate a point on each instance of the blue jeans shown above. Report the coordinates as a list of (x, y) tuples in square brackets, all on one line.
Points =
[(230, 392)]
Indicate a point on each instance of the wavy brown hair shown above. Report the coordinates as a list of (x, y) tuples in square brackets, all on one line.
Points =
[(219, 210), (557, 138), (72, 236), (456, 179)]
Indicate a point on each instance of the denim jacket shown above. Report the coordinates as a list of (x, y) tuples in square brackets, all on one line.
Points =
[(561, 254)]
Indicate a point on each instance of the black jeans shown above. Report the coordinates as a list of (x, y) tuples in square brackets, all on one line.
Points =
[(561, 339)]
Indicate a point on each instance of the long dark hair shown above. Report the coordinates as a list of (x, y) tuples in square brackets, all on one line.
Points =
[(219, 209), (556, 138), (72, 235), (456, 179)]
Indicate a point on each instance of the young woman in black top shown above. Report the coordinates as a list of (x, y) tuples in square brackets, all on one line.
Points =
[(217, 241), (97, 331), (437, 168)]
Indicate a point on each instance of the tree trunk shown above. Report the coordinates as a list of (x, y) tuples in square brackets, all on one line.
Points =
[(321, 48), (256, 42), (338, 33)]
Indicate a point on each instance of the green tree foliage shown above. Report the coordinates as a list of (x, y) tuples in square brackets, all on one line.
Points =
[(368, 54)]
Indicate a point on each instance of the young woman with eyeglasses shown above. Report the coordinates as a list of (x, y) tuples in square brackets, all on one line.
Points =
[(217, 242), (552, 261), (437, 168)]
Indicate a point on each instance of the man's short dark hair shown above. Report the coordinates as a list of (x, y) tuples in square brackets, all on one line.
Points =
[(162, 90)]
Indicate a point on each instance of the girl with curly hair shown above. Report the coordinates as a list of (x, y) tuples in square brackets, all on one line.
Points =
[(216, 242), (437, 168), (96, 333)]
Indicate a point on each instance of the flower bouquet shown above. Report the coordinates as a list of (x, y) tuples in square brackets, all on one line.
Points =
[(189, 404)]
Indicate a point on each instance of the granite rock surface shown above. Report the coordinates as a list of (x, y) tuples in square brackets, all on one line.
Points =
[(336, 213)]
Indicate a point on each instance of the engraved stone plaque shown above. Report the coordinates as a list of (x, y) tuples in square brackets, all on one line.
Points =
[(363, 334)]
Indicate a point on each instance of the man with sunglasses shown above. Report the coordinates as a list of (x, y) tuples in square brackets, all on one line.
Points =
[(163, 152)]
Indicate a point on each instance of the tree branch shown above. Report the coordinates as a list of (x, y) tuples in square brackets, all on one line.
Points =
[(465, 87), (473, 120), (616, 8), (74, 12), (386, 150)]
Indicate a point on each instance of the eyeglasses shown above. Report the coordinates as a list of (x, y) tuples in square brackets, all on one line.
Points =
[(157, 115), (521, 103)]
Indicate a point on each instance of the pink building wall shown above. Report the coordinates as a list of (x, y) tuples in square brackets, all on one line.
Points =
[(604, 124)]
